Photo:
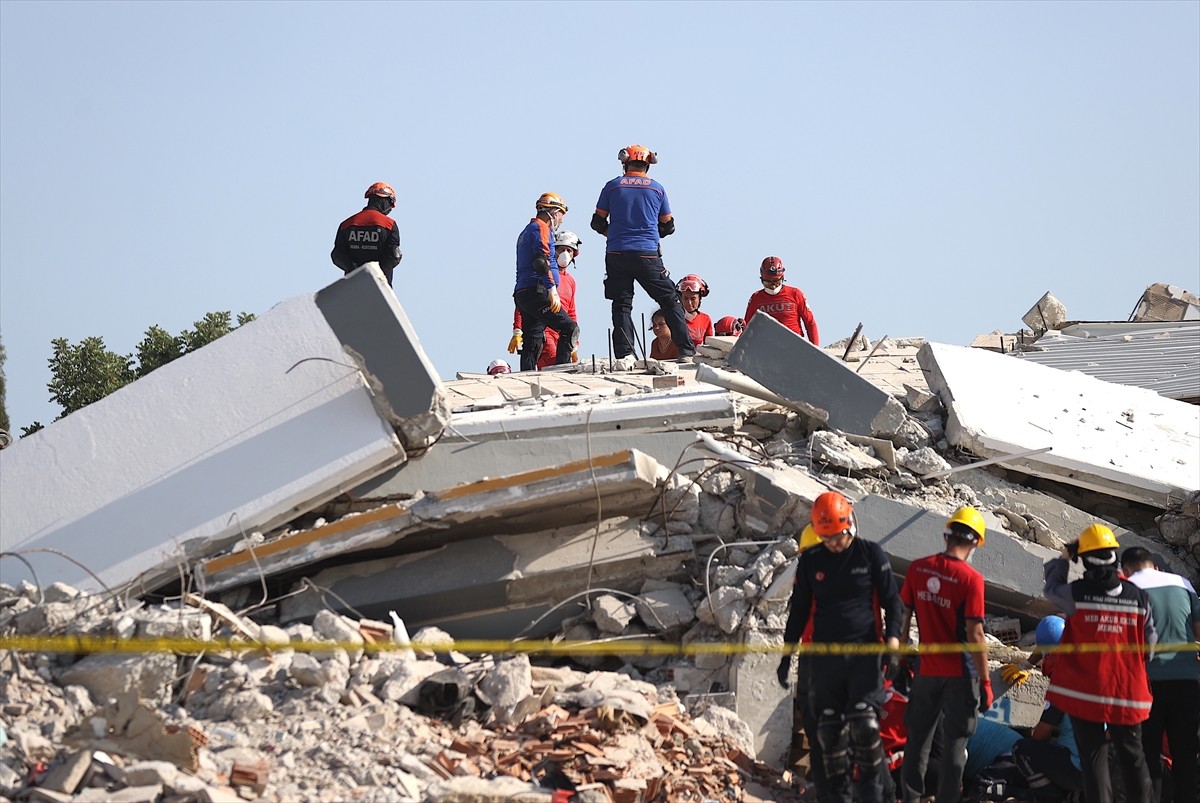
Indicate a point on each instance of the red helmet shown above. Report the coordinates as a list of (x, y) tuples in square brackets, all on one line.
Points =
[(382, 190), (771, 268), (693, 283), (498, 367), (637, 153), (729, 326), (832, 514)]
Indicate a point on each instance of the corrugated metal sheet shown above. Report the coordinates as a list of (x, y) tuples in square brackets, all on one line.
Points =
[(1163, 358)]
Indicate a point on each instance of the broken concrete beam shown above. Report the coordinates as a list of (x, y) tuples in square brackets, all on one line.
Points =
[(495, 585), (685, 408), (789, 365), (745, 385), (269, 421), (366, 317), (453, 464), (1113, 439), (526, 501)]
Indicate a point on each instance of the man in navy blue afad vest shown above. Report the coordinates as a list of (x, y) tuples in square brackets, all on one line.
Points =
[(370, 235), (633, 214)]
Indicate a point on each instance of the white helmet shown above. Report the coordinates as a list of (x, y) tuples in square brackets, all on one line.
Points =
[(568, 238), (498, 367)]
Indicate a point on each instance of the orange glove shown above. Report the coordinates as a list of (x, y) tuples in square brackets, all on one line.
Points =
[(575, 355)]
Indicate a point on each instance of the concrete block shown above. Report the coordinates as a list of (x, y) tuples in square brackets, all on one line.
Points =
[(376, 335), (66, 776), (108, 675), (1113, 439), (761, 703), (270, 420), (789, 365)]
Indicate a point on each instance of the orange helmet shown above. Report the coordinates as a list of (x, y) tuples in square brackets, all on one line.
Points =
[(548, 200), (382, 190), (637, 153), (693, 283), (771, 268), (832, 514)]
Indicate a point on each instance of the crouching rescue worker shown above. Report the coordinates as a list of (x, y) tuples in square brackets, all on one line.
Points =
[(536, 289), (1106, 693), (946, 594), (370, 235), (841, 585)]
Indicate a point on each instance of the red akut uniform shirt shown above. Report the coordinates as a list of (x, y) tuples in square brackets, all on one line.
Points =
[(699, 327), (944, 592), (789, 307)]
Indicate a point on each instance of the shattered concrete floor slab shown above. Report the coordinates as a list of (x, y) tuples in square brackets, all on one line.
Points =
[(1118, 440)]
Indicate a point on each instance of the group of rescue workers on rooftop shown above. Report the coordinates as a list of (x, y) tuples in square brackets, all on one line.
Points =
[(633, 215), (1108, 686)]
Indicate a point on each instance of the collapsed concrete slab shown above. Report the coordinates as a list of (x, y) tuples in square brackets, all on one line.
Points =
[(267, 422), (1123, 441), (689, 407), (527, 501), (789, 365), (453, 463), (495, 587)]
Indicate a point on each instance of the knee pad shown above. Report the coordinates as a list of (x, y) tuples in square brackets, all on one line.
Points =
[(865, 743), (834, 737)]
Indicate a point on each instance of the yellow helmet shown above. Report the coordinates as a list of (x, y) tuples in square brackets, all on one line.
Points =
[(809, 537), (550, 200), (971, 518), (1097, 536)]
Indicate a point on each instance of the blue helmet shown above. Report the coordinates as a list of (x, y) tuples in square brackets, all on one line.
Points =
[(1049, 630)]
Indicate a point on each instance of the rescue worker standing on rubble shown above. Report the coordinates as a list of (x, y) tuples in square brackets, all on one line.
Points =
[(566, 249), (536, 290), (946, 594), (841, 587), (1106, 693), (370, 235), (633, 213), (784, 303), (1174, 676)]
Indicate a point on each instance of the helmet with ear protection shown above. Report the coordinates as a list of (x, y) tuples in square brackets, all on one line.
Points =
[(549, 200), (637, 153)]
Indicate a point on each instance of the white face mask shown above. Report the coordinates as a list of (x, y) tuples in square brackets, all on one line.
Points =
[(774, 291), (565, 259)]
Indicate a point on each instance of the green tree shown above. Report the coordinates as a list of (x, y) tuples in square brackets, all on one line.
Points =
[(89, 371)]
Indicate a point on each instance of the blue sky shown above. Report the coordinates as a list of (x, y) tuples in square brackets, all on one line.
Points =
[(928, 169)]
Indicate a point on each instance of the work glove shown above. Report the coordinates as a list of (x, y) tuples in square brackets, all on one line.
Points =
[(555, 304), (985, 695), (575, 355), (784, 672), (891, 665), (1013, 674), (1071, 551), (514, 345)]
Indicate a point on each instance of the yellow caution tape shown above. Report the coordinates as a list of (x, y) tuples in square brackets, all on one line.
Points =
[(83, 644)]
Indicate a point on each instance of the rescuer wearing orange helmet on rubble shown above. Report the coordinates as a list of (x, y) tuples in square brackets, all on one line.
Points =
[(370, 235), (840, 586), (566, 249), (633, 214), (536, 290), (1106, 693), (784, 303), (946, 594)]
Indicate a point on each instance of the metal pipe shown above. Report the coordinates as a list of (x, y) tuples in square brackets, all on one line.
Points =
[(853, 340), (872, 354), (988, 462)]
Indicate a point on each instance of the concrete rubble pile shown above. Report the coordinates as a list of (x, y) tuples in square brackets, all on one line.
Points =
[(648, 516), (264, 721)]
